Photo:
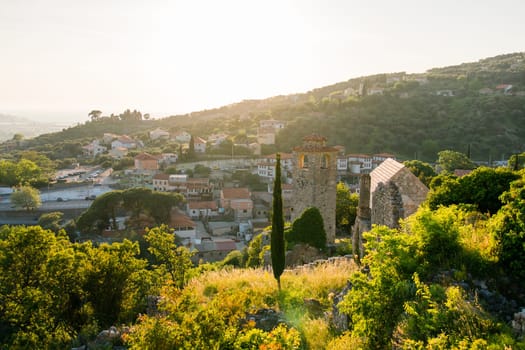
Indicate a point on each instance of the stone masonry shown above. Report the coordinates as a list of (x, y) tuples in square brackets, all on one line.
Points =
[(395, 192), (315, 181)]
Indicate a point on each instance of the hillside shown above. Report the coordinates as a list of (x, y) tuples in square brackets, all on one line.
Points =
[(478, 105)]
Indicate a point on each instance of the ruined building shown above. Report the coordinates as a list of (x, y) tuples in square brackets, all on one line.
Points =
[(314, 180), (395, 192), (390, 193)]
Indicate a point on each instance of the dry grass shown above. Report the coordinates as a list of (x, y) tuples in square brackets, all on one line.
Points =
[(257, 288)]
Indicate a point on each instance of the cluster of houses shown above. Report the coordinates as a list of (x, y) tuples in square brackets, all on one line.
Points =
[(118, 146)]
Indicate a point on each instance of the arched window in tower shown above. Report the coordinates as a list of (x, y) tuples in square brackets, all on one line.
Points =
[(325, 160), (303, 161)]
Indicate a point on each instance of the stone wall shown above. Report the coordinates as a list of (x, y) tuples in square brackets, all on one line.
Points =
[(388, 205), (315, 182)]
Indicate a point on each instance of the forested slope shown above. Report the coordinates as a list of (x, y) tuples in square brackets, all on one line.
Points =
[(478, 105)]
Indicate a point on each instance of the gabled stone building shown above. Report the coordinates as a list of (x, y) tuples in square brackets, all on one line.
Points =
[(315, 181), (395, 193)]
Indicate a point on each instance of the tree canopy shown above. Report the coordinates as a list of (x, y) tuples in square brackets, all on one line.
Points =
[(26, 197), (309, 229)]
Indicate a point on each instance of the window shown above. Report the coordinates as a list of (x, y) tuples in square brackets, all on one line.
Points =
[(303, 161), (324, 161)]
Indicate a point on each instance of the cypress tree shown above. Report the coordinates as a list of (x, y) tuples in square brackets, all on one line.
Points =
[(277, 241)]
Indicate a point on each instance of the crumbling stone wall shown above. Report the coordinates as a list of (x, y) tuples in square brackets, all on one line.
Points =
[(388, 205)]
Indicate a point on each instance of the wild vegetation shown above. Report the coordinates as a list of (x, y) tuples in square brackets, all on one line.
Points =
[(451, 277), (431, 283)]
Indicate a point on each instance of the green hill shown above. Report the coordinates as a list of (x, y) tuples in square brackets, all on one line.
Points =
[(480, 105)]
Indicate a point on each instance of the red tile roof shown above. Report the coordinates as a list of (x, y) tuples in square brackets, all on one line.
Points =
[(235, 193)]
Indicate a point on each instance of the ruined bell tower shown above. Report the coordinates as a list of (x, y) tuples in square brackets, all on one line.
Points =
[(315, 180)]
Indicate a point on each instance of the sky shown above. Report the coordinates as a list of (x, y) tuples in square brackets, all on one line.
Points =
[(60, 59)]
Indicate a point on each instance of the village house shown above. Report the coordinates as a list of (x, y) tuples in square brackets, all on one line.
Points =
[(146, 162), (379, 158), (161, 182), (267, 131), (181, 136), (350, 91), (359, 163), (202, 209), (168, 158), (216, 139), (108, 137), (506, 89), (191, 188), (447, 93), (124, 141), (199, 145), (237, 201), (342, 164), (266, 136), (93, 149), (375, 91), (272, 123), (266, 166), (182, 225), (118, 153), (158, 133)]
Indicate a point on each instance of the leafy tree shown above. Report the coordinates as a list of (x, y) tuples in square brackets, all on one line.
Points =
[(8, 174), (170, 258), (110, 273), (94, 115), (201, 171), (509, 231), (255, 252), (26, 197), (309, 229), (517, 161), (452, 160), (345, 208), (191, 149), (481, 188), (277, 235), (422, 170), (41, 279), (51, 221)]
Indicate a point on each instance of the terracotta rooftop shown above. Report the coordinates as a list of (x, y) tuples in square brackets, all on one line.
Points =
[(161, 177), (235, 193), (146, 156), (202, 205), (178, 219)]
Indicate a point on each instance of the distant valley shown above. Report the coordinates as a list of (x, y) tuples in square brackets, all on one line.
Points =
[(11, 125)]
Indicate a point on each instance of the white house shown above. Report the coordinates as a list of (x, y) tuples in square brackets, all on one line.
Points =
[(118, 153), (182, 136), (266, 167), (272, 123), (93, 149), (359, 163), (158, 133), (124, 141), (199, 145), (342, 163), (202, 209)]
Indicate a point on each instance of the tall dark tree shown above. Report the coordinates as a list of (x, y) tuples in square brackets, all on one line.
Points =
[(191, 148), (277, 242)]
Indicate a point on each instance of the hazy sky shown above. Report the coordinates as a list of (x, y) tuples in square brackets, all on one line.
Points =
[(66, 57)]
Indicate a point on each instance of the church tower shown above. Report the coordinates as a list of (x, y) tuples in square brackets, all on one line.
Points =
[(315, 181)]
